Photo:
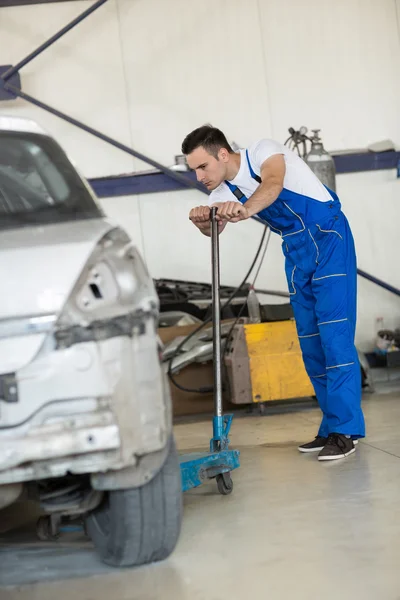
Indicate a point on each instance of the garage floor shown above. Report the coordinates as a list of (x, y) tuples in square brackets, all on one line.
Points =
[(293, 528)]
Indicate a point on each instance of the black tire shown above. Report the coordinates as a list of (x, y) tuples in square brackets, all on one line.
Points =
[(140, 525), (225, 484)]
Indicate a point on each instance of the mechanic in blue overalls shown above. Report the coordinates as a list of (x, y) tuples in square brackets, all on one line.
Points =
[(270, 181)]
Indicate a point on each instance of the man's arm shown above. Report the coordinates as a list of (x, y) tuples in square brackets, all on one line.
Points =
[(272, 177)]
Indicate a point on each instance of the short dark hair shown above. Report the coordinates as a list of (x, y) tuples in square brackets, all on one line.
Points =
[(211, 138)]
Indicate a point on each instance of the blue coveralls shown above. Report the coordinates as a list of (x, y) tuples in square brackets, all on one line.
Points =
[(321, 272)]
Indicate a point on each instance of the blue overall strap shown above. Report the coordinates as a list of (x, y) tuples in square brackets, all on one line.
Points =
[(234, 188), (236, 192), (254, 176)]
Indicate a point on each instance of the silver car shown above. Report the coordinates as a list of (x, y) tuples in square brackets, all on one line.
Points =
[(85, 411)]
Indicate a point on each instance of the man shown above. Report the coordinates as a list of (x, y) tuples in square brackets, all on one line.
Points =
[(269, 180)]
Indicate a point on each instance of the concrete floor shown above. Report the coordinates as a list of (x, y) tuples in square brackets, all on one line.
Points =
[(292, 529)]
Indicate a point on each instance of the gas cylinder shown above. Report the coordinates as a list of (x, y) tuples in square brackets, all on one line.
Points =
[(321, 162)]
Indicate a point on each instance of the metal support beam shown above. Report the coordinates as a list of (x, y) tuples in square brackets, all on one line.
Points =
[(185, 181), (12, 3), (379, 282), (53, 39), (14, 91)]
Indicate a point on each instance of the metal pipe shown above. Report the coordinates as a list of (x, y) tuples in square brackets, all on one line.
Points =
[(216, 314), (51, 40), (382, 284), (185, 181)]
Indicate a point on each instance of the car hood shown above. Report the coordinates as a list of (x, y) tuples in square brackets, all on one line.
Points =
[(38, 269)]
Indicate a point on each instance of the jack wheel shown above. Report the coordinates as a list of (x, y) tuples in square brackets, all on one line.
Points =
[(44, 530), (225, 484)]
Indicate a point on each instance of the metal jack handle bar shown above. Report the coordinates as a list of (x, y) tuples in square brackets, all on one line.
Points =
[(216, 313)]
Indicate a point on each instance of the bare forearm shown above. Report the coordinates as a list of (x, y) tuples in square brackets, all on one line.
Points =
[(265, 195)]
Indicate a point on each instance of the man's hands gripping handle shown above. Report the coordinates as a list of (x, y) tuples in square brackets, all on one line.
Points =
[(227, 211), (201, 217)]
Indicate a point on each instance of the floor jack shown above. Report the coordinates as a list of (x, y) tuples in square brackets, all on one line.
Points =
[(197, 468)]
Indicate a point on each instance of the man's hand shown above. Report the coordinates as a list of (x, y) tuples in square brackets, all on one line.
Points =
[(232, 212), (200, 215)]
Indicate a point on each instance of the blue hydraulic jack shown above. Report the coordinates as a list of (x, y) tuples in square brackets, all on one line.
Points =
[(197, 468)]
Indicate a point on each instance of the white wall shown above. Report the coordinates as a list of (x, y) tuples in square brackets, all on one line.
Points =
[(148, 71), (371, 202)]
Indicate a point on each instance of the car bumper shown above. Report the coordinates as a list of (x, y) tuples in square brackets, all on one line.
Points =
[(37, 452), (94, 407)]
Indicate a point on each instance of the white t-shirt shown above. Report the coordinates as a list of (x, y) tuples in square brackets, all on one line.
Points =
[(298, 177)]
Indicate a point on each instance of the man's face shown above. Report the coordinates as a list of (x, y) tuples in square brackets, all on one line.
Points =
[(209, 170)]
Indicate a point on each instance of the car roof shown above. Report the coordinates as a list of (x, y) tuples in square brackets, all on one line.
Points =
[(8, 123)]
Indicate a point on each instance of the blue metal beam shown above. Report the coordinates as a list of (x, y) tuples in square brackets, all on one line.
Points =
[(379, 282), (154, 182), (366, 161), (141, 183)]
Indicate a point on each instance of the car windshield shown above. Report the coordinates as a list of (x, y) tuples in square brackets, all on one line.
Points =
[(38, 184)]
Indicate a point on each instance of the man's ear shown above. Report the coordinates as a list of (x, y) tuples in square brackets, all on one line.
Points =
[(223, 155)]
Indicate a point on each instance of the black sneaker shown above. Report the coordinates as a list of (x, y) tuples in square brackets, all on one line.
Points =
[(315, 446), (337, 446)]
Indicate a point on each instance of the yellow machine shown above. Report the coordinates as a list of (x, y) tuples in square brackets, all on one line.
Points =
[(264, 363)]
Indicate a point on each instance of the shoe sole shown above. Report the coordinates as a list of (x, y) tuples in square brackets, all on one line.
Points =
[(308, 450), (337, 457)]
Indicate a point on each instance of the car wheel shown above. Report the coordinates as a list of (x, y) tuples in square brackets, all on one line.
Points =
[(140, 525)]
